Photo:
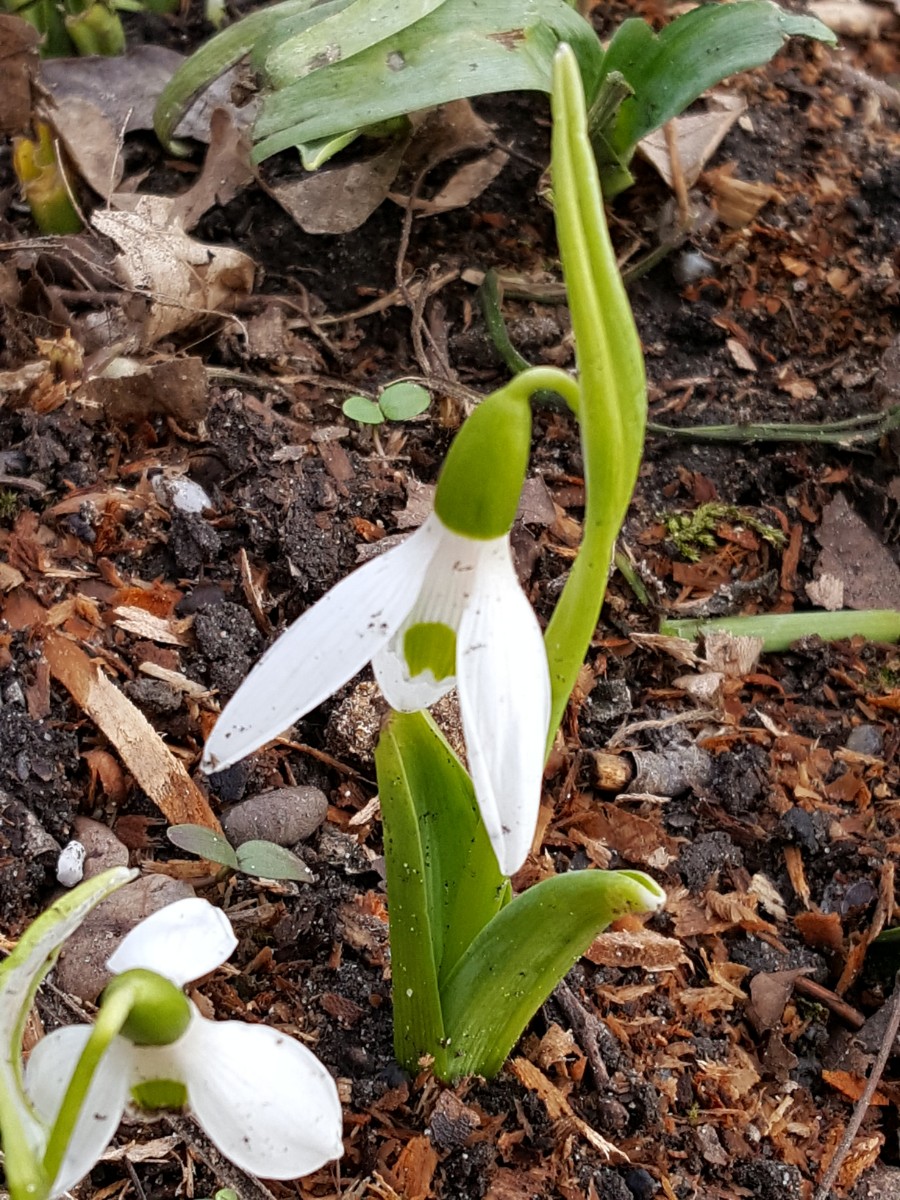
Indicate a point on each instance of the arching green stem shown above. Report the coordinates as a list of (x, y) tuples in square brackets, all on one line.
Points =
[(613, 405)]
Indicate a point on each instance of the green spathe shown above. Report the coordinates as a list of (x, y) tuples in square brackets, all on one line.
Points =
[(159, 1012), (478, 491)]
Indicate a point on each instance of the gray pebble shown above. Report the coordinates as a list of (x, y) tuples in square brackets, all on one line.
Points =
[(866, 739), (284, 816), (102, 849), (81, 969)]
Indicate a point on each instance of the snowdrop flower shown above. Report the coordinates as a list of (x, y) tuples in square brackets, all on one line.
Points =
[(264, 1099), (444, 608)]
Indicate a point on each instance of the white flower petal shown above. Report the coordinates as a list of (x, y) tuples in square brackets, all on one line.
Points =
[(401, 692), (445, 592), (47, 1074), (504, 697), (262, 1097), (328, 645), (182, 942)]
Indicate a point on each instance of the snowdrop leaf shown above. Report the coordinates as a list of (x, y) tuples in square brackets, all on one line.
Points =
[(268, 861), (203, 842), (212, 60), (463, 48), (443, 881), (21, 973), (401, 401), (340, 36), (517, 960), (669, 70), (359, 408)]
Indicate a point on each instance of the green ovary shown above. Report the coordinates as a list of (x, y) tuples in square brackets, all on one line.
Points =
[(430, 646), (159, 1093)]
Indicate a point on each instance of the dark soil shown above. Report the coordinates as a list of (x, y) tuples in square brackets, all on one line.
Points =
[(781, 859)]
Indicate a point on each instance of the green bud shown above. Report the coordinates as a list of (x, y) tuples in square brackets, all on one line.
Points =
[(160, 1012), (478, 491)]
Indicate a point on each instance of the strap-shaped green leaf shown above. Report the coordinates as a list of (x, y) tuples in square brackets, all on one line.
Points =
[(669, 70), (463, 48), (20, 976), (613, 405), (221, 53), (519, 957), (443, 881), (340, 36)]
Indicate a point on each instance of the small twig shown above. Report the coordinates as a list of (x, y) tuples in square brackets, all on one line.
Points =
[(822, 995), (678, 181), (135, 1182), (624, 732), (862, 1104), (587, 1028)]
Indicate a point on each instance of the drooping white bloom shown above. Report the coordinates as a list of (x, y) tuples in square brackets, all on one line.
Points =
[(264, 1099), (439, 610)]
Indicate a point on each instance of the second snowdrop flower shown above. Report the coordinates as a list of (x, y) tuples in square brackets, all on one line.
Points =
[(443, 609), (264, 1099)]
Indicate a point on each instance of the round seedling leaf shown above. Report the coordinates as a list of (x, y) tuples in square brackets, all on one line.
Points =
[(401, 401), (199, 840), (268, 861), (358, 408)]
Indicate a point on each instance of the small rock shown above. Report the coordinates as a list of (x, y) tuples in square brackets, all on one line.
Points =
[(181, 493), (70, 864), (866, 739), (640, 1183), (81, 969), (284, 816), (102, 849)]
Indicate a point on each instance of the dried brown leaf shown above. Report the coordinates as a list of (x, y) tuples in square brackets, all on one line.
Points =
[(161, 775)]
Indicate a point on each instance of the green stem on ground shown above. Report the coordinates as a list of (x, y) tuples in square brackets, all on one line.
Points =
[(780, 630)]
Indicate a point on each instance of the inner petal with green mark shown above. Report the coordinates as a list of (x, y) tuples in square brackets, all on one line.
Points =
[(159, 1093), (430, 646)]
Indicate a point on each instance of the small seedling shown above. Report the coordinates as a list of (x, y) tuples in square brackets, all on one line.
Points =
[(88, 27), (398, 402), (265, 860), (38, 169)]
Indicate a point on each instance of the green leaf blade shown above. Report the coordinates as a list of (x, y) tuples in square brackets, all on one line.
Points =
[(418, 1019), (520, 956), (402, 401), (363, 410), (339, 37), (205, 843), (463, 48), (669, 70), (266, 860)]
